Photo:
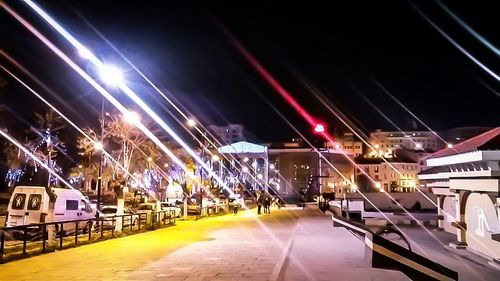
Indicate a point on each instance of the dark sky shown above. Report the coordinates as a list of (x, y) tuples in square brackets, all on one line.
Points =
[(338, 48)]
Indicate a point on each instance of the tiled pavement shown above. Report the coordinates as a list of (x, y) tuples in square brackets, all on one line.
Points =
[(232, 247)]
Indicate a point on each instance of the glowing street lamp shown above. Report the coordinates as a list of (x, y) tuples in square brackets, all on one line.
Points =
[(215, 158), (244, 169), (271, 166), (111, 75), (132, 117), (84, 53), (260, 176), (319, 128), (378, 185), (191, 123), (449, 145), (150, 159), (245, 159), (98, 146)]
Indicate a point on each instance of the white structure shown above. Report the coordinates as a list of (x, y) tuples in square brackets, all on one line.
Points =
[(392, 140), (348, 144), (249, 154), (228, 134), (466, 179), (404, 179)]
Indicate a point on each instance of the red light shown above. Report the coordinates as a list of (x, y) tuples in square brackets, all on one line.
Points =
[(319, 128)]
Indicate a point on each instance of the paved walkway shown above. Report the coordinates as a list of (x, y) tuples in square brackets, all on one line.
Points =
[(290, 244)]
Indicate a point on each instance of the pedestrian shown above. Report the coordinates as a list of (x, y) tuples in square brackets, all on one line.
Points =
[(259, 203), (267, 204), (236, 206)]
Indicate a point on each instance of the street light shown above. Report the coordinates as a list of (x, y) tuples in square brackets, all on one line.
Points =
[(150, 159), (244, 169), (271, 166), (319, 128), (191, 123), (215, 158), (111, 75), (98, 146), (132, 117), (245, 159), (449, 145), (84, 53), (260, 176)]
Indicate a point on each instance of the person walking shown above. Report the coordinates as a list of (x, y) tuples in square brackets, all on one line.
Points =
[(267, 204), (236, 206)]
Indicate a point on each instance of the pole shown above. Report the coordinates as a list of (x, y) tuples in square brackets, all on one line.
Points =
[(319, 170), (99, 176)]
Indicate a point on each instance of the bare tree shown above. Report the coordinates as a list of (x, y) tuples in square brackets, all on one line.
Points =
[(15, 160)]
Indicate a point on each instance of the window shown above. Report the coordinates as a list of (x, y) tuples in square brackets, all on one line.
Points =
[(376, 177), (71, 204), (392, 175), (376, 169), (35, 202), (19, 201)]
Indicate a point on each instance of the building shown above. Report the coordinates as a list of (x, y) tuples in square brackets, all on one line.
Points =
[(388, 141), (395, 175), (299, 169), (228, 134), (349, 144), (466, 178)]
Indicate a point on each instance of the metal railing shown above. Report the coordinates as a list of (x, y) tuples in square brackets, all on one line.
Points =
[(27, 240)]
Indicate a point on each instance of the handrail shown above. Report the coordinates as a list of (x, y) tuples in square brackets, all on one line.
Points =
[(383, 253)]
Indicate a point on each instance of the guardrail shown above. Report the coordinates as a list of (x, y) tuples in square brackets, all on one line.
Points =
[(386, 254), (27, 240)]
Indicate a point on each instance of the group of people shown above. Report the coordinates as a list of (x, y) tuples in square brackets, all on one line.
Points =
[(264, 200)]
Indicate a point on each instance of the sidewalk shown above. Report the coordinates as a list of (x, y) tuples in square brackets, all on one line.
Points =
[(288, 244), (321, 252), (220, 247)]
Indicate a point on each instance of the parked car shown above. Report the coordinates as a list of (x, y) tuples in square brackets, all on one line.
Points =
[(192, 208), (109, 211), (170, 206)]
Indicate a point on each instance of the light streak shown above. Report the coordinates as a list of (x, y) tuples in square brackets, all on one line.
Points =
[(92, 82), (469, 29), (121, 85), (33, 156), (268, 77), (454, 43), (408, 110), (64, 117)]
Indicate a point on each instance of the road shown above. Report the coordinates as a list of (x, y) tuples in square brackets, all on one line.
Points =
[(289, 244)]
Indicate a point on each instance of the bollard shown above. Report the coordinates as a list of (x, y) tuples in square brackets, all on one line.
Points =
[(102, 228), (61, 236), (25, 237), (113, 227), (2, 244), (131, 222), (90, 229), (76, 233), (44, 232)]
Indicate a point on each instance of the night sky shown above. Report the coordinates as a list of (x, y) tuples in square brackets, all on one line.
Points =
[(340, 49)]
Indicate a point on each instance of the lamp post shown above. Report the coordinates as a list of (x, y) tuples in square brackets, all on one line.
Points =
[(111, 76), (99, 146)]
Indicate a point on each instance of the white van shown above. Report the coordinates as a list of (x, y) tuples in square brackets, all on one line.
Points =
[(30, 205)]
